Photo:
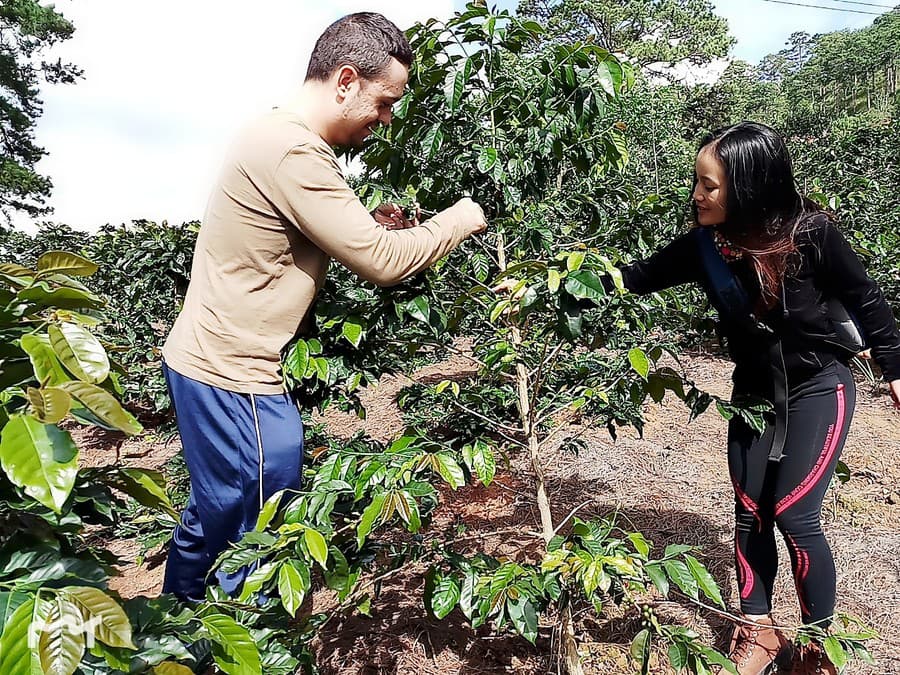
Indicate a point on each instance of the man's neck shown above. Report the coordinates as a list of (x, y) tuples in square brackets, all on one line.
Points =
[(308, 104)]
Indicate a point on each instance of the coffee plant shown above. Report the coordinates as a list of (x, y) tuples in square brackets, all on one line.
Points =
[(57, 614), (537, 129)]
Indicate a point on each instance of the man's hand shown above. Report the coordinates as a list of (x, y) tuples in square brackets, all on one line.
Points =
[(470, 213), (894, 386), (391, 217)]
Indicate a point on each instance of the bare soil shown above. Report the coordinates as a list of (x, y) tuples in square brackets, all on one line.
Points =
[(671, 484)]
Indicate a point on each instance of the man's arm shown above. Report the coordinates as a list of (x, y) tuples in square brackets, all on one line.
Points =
[(311, 193)]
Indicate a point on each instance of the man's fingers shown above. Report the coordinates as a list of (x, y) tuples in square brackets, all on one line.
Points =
[(392, 217)]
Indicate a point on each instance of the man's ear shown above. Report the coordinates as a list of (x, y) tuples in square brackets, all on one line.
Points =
[(347, 75)]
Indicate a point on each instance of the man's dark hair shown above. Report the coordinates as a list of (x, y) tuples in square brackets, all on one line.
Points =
[(365, 40)]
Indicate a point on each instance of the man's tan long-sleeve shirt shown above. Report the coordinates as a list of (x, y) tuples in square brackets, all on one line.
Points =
[(280, 211)]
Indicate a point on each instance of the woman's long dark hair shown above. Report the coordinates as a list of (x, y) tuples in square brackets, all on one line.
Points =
[(763, 207)]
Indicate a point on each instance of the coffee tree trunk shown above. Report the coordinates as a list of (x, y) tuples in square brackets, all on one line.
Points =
[(568, 646)]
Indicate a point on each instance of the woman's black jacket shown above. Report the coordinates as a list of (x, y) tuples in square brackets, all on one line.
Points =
[(824, 267)]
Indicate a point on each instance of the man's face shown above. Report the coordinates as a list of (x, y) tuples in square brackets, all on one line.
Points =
[(365, 104)]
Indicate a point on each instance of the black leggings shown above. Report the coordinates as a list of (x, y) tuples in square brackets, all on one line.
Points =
[(789, 493)]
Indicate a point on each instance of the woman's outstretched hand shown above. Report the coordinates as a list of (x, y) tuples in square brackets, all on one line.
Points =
[(894, 386)]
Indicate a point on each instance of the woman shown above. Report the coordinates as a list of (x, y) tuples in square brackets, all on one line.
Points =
[(789, 260)]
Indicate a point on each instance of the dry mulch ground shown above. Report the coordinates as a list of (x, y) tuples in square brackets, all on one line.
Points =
[(671, 484)]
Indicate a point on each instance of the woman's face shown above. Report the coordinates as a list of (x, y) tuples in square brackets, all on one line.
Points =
[(710, 191)]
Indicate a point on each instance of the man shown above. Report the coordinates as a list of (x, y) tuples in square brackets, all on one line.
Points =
[(279, 212)]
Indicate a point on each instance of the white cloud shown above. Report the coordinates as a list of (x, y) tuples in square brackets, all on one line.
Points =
[(166, 85)]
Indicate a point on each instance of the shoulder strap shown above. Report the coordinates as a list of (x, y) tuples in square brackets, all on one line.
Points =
[(726, 292)]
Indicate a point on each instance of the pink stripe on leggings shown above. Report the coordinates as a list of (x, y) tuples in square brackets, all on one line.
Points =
[(747, 503), (832, 440), (801, 569), (745, 572)]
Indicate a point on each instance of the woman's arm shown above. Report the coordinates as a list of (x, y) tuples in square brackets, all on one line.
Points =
[(675, 264)]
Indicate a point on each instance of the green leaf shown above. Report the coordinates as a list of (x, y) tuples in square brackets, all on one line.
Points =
[(9, 602), (605, 79), (584, 284), (450, 471), (110, 623), (62, 640), (171, 668), (570, 318), (352, 330), (292, 586), (40, 458), (467, 597), (47, 368), (639, 361), (401, 110), (455, 86), (680, 574), (401, 444), (317, 546), (718, 659), (408, 510), (481, 266), (146, 486), (575, 260), (842, 471), (498, 309), (444, 597), (431, 145), (63, 262), (79, 351), (835, 652), (268, 511), (673, 550), (486, 159), (15, 653), (658, 577), (640, 647), (234, 649), (104, 405), (678, 656), (354, 381), (620, 147), (524, 618), (705, 580), (50, 404), (16, 270), (60, 298), (322, 368), (419, 308), (369, 517), (553, 280), (641, 545), (480, 459), (255, 581), (297, 359)]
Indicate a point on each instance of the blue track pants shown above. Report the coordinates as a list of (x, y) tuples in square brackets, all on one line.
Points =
[(240, 449)]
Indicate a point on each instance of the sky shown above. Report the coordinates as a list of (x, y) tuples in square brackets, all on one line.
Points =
[(167, 83)]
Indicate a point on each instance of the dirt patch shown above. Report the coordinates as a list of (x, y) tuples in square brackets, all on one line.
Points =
[(671, 484), (141, 572)]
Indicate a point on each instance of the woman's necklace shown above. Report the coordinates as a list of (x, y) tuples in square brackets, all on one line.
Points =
[(728, 250)]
